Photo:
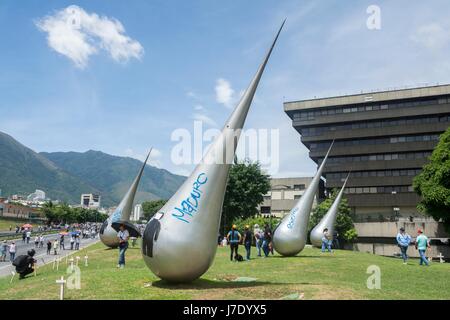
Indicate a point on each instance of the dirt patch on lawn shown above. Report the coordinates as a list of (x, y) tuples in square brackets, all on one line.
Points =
[(278, 291)]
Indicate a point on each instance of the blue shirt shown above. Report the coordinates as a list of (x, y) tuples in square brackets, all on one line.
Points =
[(234, 236), (403, 239)]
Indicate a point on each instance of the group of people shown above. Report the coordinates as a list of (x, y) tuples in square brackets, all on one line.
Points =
[(261, 237), (421, 244), (7, 248)]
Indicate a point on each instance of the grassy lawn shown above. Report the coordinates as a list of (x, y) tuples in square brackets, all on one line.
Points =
[(313, 275), (6, 223)]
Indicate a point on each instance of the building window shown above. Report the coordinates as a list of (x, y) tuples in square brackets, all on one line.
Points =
[(265, 210), (299, 186)]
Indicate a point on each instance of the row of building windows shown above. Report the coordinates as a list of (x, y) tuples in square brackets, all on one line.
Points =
[(317, 131), (378, 157), (375, 173), (389, 189), (311, 115), (356, 142)]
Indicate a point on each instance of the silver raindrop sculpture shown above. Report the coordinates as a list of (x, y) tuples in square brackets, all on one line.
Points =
[(122, 214), (289, 238), (328, 221), (179, 243)]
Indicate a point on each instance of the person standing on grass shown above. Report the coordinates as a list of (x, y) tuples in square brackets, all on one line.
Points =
[(403, 241), (422, 243), (326, 241), (12, 251), (258, 238), (123, 236), (267, 240), (233, 237), (248, 235)]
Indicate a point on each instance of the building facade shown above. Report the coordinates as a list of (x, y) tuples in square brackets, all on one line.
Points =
[(383, 138), (283, 194), (90, 200), (10, 209)]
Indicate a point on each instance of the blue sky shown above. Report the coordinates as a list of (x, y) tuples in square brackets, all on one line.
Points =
[(187, 50)]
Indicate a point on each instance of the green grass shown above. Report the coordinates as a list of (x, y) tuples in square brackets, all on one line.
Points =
[(6, 223), (311, 275)]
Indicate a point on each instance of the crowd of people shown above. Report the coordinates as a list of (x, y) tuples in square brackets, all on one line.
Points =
[(262, 238), (25, 263)]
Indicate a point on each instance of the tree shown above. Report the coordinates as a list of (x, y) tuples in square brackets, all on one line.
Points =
[(433, 183), (152, 207), (344, 222), (49, 212), (245, 189), (66, 214)]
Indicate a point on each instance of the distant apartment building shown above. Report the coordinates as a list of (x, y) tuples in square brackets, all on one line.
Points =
[(10, 209), (137, 212), (36, 196), (90, 200), (283, 194)]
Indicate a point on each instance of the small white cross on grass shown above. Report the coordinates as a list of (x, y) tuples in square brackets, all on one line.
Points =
[(62, 283)]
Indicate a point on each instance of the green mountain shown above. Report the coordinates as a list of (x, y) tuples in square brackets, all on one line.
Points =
[(113, 175), (66, 175), (22, 171)]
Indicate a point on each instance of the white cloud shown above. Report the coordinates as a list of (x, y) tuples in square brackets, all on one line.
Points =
[(199, 107), (224, 92), (78, 34), (205, 119), (432, 36)]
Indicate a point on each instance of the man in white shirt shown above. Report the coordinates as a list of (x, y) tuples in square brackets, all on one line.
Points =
[(123, 236)]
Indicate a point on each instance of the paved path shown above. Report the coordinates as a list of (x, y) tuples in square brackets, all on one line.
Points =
[(41, 253)]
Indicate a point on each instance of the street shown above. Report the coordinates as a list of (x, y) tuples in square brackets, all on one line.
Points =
[(41, 253)]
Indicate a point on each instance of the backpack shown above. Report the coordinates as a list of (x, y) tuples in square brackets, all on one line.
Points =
[(239, 258), (20, 261)]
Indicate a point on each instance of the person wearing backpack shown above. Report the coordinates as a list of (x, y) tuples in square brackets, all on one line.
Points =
[(25, 264), (233, 237)]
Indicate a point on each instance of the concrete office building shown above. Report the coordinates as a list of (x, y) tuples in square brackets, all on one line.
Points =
[(283, 194), (384, 138), (90, 200)]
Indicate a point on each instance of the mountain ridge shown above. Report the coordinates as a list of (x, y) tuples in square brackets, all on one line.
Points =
[(66, 175)]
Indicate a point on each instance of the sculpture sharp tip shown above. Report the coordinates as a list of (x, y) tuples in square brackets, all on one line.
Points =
[(148, 155)]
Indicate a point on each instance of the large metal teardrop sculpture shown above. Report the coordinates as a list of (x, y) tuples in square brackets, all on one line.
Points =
[(122, 214), (328, 221), (180, 241), (289, 238)]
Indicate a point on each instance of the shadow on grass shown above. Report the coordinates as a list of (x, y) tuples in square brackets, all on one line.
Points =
[(303, 256), (204, 284)]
